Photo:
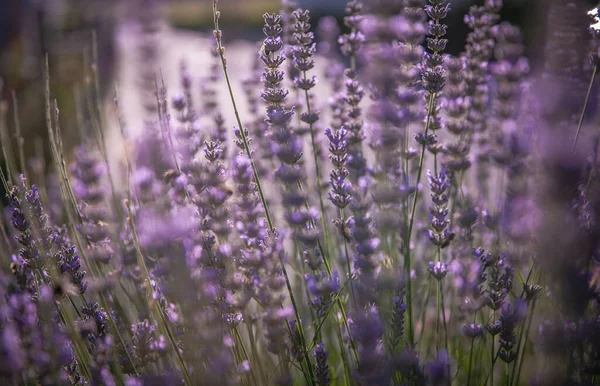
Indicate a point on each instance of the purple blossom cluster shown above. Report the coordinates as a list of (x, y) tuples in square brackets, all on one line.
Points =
[(230, 258)]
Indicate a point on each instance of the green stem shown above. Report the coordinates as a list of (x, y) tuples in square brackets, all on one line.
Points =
[(317, 170), (142, 263), (255, 355), (470, 362), (471, 353), (347, 372), (444, 323), (493, 352), (411, 338), (297, 316), (329, 274), (239, 121), (244, 352), (520, 362), (348, 266), (98, 125), (116, 330), (221, 51), (20, 139), (424, 309), (5, 143), (592, 168), (437, 318), (587, 98)]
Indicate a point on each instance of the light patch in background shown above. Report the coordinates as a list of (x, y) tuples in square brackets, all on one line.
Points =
[(594, 14)]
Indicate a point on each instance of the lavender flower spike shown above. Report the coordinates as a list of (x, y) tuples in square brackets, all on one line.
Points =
[(340, 194), (321, 367), (439, 234)]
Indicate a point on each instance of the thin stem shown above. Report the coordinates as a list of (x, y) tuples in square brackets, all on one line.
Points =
[(348, 266), (587, 98), (221, 51), (316, 160), (116, 330), (20, 139), (244, 352), (593, 166), (2, 226), (344, 359), (166, 119), (437, 318), (520, 364), (98, 125), (493, 352), (471, 354), (123, 138), (297, 315), (255, 355), (6, 148), (470, 362), (142, 262), (411, 338), (444, 324), (424, 309)]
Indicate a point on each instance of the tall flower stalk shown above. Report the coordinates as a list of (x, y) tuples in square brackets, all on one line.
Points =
[(433, 78), (478, 51), (221, 51), (287, 148), (351, 45), (302, 54)]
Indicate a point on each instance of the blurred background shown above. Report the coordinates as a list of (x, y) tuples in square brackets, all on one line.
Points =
[(63, 29)]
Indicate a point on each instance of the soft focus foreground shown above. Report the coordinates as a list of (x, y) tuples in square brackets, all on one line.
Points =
[(362, 208)]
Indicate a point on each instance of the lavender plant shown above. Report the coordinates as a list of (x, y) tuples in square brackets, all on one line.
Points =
[(220, 256)]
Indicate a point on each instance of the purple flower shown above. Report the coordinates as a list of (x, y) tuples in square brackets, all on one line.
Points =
[(69, 263), (323, 289), (438, 270), (472, 330), (367, 330), (397, 322), (510, 317), (340, 194), (321, 367), (439, 234), (146, 345), (438, 371)]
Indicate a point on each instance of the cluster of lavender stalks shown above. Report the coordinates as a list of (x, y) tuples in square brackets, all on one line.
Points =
[(410, 228)]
